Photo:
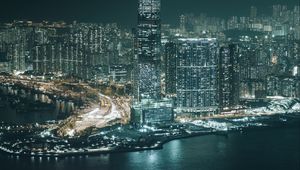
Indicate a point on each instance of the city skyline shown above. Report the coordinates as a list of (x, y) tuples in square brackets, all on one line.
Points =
[(150, 84), (106, 11)]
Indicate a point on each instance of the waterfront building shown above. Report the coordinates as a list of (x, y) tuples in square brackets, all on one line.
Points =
[(253, 12), (153, 111), (289, 87), (228, 77), (147, 52), (253, 62), (148, 107), (197, 72), (273, 86), (283, 86)]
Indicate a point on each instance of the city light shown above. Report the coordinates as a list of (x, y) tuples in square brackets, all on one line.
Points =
[(112, 84)]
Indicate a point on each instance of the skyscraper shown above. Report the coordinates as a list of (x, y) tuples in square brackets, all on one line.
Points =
[(183, 21), (197, 71), (277, 11), (253, 12), (147, 107), (147, 57), (170, 67), (228, 77)]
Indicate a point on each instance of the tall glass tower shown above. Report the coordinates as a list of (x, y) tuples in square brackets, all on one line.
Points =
[(148, 106), (147, 51)]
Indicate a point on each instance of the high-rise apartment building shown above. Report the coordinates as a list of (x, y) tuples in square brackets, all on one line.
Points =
[(197, 72), (228, 77)]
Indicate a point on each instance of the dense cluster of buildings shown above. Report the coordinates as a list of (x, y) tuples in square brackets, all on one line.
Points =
[(283, 21), (196, 76), (212, 65), (79, 49), (205, 66)]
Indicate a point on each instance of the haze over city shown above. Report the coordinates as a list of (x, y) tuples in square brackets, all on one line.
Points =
[(123, 11), (150, 84)]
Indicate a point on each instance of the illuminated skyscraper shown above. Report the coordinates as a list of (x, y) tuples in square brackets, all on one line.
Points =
[(228, 77), (148, 108), (197, 71), (147, 52)]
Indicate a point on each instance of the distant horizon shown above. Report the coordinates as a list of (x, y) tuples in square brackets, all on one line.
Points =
[(124, 12)]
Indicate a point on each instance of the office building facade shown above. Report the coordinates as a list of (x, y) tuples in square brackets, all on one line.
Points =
[(147, 51)]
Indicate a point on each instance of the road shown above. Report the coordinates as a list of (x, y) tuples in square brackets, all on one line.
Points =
[(98, 115)]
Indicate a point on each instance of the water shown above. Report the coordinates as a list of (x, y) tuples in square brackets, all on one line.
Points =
[(9, 114), (274, 149), (56, 109), (260, 149)]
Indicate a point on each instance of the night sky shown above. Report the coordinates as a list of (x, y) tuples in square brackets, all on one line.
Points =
[(125, 11)]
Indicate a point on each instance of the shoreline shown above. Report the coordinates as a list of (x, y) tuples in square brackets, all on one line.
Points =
[(186, 127), (127, 150), (93, 153)]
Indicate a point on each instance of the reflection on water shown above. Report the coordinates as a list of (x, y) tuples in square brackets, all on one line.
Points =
[(175, 149), (27, 106), (274, 149), (259, 149)]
